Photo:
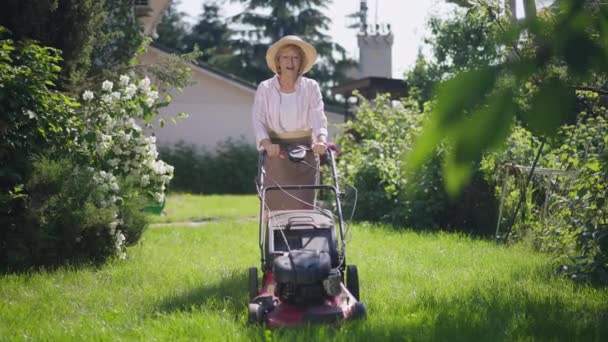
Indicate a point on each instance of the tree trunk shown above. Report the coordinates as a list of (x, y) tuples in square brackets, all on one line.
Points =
[(530, 10)]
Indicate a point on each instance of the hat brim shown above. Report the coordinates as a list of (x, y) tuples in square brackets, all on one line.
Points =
[(310, 53)]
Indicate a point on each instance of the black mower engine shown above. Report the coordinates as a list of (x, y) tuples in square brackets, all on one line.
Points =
[(305, 277), (302, 251)]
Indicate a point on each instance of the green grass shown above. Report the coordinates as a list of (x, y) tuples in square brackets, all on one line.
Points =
[(187, 207), (184, 283)]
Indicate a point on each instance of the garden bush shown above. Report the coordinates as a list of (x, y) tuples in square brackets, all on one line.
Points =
[(229, 169), (373, 151), (104, 169), (62, 221), (575, 226)]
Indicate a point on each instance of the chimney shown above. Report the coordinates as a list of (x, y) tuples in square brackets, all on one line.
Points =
[(375, 48)]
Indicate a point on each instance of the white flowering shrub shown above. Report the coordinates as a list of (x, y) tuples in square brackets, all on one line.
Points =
[(112, 125), (116, 147), (75, 173)]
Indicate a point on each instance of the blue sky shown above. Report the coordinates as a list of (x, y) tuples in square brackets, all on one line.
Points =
[(407, 18)]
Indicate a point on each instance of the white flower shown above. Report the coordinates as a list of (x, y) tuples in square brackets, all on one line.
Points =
[(107, 98), (153, 94), (144, 84), (124, 80), (112, 227), (116, 150), (159, 197), (130, 91), (125, 138), (87, 95), (107, 85), (30, 114), (145, 180), (114, 187), (149, 102), (113, 162), (116, 95), (153, 154)]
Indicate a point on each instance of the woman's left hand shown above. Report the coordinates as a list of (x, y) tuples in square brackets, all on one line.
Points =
[(319, 148)]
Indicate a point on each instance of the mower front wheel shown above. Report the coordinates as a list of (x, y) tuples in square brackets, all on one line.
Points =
[(253, 283), (352, 281), (256, 313)]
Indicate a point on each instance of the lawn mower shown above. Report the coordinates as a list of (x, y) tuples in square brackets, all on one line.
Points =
[(305, 278)]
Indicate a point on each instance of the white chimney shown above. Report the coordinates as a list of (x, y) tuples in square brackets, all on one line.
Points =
[(375, 49)]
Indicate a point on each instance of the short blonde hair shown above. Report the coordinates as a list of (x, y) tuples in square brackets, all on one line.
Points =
[(303, 60)]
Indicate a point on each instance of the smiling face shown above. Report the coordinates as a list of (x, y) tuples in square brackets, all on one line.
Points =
[(289, 60)]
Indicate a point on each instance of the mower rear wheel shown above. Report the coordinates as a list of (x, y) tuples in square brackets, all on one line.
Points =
[(253, 283), (352, 280)]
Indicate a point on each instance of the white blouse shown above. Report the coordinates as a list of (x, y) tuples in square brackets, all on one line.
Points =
[(266, 111), (288, 109)]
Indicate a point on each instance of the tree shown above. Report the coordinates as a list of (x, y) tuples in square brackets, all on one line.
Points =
[(463, 41), (119, 39), (211, 34), (172, 30), (266, 21), (72, 26), (476, 108)]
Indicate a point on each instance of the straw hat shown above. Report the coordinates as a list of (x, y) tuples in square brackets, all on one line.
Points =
[(310, 53)]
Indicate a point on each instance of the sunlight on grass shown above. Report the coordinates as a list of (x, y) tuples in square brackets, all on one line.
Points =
[(190, 283), (187, 207)]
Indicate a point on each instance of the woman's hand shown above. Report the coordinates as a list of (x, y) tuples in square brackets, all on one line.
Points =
[(319, 148), (271, 149)]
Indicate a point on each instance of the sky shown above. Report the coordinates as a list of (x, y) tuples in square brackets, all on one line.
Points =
[(407, 18)]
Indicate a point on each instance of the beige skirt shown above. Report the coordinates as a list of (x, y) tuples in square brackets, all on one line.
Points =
[(282, 171)]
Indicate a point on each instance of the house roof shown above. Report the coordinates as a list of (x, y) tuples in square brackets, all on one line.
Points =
[(231, 78), (369, 87)]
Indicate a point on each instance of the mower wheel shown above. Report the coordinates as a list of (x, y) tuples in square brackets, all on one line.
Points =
[(256, 313), (359, 310), (352, 280), (253, 283)]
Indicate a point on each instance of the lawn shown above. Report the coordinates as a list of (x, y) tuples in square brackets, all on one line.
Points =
[(187, 208), (182, 283)]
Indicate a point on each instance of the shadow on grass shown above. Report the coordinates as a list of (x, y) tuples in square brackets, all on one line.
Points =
[(228, 294), (466, 318)]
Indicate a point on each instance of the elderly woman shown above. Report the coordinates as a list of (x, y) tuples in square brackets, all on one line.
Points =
[(288, 109)]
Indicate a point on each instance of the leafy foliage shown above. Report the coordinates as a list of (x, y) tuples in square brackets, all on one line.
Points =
[(371, 160), (211, 33), (568, 37), (68, 167), (71, 26), (119, 39), (172, 30), (230, 169), (62, 221)]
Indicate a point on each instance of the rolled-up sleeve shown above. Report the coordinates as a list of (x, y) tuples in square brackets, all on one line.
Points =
[(258, 114), (317, 115)]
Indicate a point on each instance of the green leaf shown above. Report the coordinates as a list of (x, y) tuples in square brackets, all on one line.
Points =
[(593, 166), (454, 98), (462, 93), (486, 129), (551, 107)]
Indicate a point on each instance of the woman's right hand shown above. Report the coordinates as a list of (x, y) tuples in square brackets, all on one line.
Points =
[(273, 150)]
